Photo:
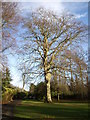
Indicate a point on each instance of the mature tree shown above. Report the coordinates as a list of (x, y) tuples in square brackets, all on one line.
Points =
[(50, 34)]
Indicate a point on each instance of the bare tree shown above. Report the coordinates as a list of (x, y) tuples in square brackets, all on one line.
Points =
[(10, 20), (49, 35), (77, 69), (7, 26)]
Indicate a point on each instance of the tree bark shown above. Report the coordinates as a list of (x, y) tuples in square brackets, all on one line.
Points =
[(48, 94)]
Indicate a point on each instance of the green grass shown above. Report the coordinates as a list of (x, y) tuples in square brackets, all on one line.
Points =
[(62, 111)]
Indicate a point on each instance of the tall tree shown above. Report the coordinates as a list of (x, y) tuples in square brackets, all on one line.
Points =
[(50, 34)]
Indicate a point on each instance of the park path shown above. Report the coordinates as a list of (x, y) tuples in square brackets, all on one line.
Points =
[(8, 109)]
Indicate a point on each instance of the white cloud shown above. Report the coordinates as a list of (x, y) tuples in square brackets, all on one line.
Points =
[(80, 15), (56, 7)]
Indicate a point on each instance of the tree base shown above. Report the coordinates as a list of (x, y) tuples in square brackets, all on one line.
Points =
[(46, 101)]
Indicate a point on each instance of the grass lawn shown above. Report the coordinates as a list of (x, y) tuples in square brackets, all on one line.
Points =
[(62, 111)]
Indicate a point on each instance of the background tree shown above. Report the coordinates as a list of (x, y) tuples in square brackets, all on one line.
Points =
[(72, 73), (8, 25), (10, 19), (37, 91), (7, 89), (6, 79)]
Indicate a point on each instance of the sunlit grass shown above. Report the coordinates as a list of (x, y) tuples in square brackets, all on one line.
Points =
[(35, 109)]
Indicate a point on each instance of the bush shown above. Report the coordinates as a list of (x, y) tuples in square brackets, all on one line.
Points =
[(20, 95)]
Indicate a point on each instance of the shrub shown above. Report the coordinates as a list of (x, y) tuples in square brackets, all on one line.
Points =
[(7, 95)]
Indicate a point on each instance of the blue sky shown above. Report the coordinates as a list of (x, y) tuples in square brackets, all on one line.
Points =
[(79, 9)]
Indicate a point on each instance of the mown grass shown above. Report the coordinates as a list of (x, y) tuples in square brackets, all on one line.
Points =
[(63, 111)]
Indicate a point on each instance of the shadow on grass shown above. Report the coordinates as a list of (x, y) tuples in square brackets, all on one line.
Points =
[(34, 110), (18, 118)]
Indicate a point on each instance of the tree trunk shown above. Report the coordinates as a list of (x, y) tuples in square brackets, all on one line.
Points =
[(47, 73), (58, 96), (71, 81), (48, 94), (23, 76)]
